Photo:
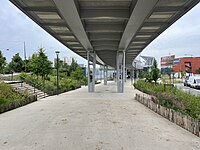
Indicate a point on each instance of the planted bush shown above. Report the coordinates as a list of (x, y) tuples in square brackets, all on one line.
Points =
[(172, 97), (50, 86), (7, 94)]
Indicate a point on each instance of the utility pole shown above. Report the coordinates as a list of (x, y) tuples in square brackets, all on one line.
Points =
[(57, 52), (25, 56)]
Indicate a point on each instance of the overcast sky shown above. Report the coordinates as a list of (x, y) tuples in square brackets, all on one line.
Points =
[(183, 37)]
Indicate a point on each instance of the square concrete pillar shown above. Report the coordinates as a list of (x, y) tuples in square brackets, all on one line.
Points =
[(120, 71)]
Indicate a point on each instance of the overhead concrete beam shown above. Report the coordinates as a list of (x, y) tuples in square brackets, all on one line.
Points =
[(40, 9), (104, 13), (104, 28), (104, 36), (99, 43), (136, 19), (150, 24), (64, 34), (66, 9), (105, 47), (63, 24), (169, 8)]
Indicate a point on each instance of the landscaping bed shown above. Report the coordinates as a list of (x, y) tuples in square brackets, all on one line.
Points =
[(49, 86), (184, 121), (172, 98), (10, 99)]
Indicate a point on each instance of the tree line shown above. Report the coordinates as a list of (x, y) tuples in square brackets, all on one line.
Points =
[(40, 65)]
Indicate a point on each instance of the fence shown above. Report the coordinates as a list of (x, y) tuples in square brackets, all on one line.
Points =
[(178, 118)]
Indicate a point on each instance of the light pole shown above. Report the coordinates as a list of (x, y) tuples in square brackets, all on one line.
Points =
[(57, 53), (180, 70), (25, 56), (135, 74)]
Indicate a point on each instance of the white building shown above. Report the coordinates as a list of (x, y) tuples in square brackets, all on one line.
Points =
[(68, 60)]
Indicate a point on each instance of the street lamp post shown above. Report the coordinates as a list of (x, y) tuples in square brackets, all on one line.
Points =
[(57, 53), (135, 74), (180, 68), (25, 56)]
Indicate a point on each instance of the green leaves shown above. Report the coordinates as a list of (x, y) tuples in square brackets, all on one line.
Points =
[(172, 97), (39, 63), (2, 62), (7, 94), (77, 74), (154, 74), (198, 70), (17, 64)]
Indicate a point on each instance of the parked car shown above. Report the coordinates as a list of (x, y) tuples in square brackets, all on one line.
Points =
[(196, 83), (190, 81)]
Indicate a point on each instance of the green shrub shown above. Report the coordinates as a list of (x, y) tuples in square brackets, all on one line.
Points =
[(7, 94), (23, 76), (50, 85), (172, 97)]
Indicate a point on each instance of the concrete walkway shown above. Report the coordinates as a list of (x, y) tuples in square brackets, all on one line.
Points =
[(104, 120)]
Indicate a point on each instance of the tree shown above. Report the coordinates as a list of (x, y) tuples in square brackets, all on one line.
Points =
[(73, 65), (39, 64), (198, 71), (155, 72), (78, 74), (66, 69), (2, 62), (148, 76), (60, 63), (17, 64)]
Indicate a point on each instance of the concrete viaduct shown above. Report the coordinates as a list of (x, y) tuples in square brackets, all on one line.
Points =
[(105, 32)]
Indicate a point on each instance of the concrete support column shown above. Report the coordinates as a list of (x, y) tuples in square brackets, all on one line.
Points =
[(100, 70), (88, 71), (120, 71), (137, 74), (124, 67), (131, 76), (91, 77), (94, 72), (105, 74), (125, 77)]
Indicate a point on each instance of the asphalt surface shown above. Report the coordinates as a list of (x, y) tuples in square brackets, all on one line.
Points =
[(188, 89), (104, 120)]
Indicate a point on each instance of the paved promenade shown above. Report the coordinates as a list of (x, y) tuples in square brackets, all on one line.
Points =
[(104, 120)]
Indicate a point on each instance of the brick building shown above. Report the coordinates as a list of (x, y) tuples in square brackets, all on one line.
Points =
[(186, 64)]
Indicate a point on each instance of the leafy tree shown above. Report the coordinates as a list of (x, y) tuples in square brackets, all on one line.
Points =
[(17, 64), (198, 71), (39, 64), (148, 76), (7, 69), (66, 69), (60, 63), (78, 74), (155, 72), (2, 62), (73, 65), (33, 64)]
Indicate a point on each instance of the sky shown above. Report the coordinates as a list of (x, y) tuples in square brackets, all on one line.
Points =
[(181, 39)]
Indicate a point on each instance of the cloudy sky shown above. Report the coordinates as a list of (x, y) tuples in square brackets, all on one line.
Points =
[(183, 37)]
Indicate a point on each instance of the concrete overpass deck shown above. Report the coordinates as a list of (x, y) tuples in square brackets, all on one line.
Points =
[(104, 120)]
